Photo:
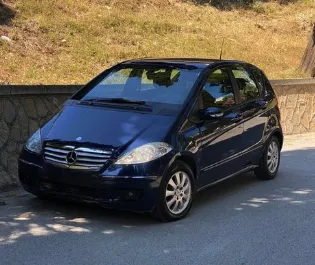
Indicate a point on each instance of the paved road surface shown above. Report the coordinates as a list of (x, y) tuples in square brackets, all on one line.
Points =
[(240, 221)]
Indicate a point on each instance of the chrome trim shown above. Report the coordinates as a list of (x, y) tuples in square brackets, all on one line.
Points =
[(91, 160), (82, 167), (86, 158), (57, 150), (92, 150), (86, 165), (227, 177), (88, 154), (57, 161), (131, 177), (55, 155)]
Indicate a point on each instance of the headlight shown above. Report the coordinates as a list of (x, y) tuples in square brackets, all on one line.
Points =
[(34, 143), (144, 153)]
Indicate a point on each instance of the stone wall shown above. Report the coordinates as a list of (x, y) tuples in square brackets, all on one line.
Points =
[(24, 108), (297, 104)]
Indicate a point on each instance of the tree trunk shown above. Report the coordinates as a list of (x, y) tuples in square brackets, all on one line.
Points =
[(308, 60)]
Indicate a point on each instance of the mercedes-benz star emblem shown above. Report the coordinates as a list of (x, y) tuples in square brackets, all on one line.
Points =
[(79, 138), (71, 157)]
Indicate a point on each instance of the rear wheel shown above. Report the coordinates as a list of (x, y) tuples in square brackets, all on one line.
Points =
[(176, 194), (270, 161), (41, 196)]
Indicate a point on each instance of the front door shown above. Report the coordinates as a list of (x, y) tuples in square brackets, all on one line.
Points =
[(220, 138)]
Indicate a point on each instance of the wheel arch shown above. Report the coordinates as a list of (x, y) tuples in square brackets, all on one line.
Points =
[(189, 159), (279, 136)]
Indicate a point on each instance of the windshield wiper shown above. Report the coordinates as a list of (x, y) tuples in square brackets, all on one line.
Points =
[(117, 101)]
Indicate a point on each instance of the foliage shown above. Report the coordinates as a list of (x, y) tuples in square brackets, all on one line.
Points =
[(70, 41)]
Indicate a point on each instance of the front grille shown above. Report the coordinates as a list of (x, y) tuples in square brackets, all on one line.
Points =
[(76, 157)]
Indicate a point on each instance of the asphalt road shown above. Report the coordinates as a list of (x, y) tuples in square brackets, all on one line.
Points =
[(240, 221)]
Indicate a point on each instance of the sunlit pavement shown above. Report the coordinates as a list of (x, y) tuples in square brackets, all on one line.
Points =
[(241, 221)]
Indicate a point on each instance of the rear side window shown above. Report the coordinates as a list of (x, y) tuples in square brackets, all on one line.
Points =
[(246, 83), (268, 90), (218, 91), (260, 80)]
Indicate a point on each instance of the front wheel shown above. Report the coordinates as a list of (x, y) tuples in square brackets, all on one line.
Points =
[(176, 194), (270, 161)]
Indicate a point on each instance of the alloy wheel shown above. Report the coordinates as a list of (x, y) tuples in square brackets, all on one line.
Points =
[(178, 192), (273, 157)]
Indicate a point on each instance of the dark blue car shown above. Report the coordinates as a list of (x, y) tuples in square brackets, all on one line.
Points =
[(146, 135)]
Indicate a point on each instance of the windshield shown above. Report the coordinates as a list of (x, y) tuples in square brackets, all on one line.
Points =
[(147, 83)]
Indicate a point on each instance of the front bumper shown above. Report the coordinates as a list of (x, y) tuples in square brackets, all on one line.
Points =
[(110, 189)]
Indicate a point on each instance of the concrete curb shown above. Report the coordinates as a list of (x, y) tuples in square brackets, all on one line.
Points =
[(293, 82)]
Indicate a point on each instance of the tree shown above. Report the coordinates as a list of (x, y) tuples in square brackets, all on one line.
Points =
[(308, 60)]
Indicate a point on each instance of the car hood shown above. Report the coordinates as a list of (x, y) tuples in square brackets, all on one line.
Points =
[(112, 128)]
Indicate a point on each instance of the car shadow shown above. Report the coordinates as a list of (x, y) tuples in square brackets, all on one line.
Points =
[(294, 185), (223, 189), (70, 210)]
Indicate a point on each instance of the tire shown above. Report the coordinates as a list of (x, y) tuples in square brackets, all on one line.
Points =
[(42, 197), (267, 169), (177, 204)]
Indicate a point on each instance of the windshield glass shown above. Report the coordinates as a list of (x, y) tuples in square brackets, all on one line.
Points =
[(147, 83)]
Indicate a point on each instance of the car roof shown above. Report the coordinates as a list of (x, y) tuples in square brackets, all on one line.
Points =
[(196, 62)]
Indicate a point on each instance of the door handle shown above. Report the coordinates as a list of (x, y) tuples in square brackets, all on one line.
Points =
[(217, 115), (263, 104)]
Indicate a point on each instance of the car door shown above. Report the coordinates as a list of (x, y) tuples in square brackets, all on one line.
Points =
[(221, 137), (253, 107)]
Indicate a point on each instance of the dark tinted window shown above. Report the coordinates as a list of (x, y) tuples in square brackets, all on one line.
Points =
[(267, 88), (259, 77), (246, 84), (147, 83), (218, 90), (194, 116)]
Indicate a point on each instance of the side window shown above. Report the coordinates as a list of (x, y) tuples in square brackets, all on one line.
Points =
[(259, 78), (267, 87), (246, 84), (193, 116), (218, 90)]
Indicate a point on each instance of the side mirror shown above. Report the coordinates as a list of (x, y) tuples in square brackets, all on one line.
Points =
[(210, 113)]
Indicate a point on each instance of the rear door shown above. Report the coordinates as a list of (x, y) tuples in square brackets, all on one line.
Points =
[(253, 107), (221, 138)]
